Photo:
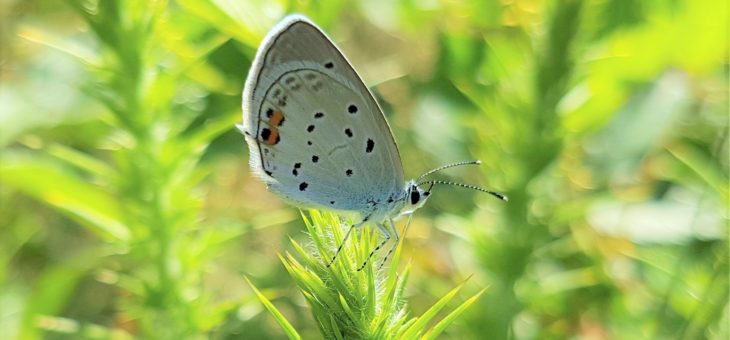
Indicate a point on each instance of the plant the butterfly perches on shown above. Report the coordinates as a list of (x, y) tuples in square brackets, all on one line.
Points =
[(318, 138), (349, 304)]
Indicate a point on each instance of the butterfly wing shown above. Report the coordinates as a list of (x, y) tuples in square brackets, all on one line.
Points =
[(315, 132)]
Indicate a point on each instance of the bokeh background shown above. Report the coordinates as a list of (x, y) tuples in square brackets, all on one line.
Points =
[(128, 209)]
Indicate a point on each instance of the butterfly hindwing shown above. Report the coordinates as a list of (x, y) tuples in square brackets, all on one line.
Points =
[(316, 134)]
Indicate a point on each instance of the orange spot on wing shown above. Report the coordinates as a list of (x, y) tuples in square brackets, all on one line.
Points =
[(276, 119), (273, 137)]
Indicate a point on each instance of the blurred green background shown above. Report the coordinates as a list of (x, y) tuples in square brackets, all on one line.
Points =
[(128, 209)]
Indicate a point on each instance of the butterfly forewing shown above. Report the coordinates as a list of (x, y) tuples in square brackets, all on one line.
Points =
[(316, 134)]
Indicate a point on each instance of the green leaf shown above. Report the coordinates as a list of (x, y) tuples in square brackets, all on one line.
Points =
[(51, 184), (54, 288), (434, 332), (704, 168), (81, 160), (280, 319), (419, 326), (213, 13)]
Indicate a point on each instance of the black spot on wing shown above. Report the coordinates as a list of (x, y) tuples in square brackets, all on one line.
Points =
[(310, 128), (303, 186), (315, 159), (329, 64), (348, 132), (318, 115), (352, 109), (369, 146)]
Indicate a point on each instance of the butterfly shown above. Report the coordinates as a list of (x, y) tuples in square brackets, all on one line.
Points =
[(318, 138)]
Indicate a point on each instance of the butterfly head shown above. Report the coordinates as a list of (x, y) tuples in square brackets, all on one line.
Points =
[(418, 192), (416, 196)]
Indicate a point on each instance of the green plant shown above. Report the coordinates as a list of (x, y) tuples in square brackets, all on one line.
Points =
[(133, 185), (351, 304)]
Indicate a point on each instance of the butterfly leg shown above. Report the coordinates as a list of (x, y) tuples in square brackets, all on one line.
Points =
[(385, 231), (397, 241), (347, 236)]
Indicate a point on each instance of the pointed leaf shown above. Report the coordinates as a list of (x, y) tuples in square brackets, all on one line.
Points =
[(280, 319), (434, 332), (419, 326)]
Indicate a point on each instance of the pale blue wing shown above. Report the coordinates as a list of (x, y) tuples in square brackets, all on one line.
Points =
[(316, 134)]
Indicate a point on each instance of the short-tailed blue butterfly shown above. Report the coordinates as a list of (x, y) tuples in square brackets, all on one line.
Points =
[(318, 138)]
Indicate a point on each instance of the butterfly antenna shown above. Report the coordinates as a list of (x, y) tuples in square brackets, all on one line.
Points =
[(443, 167), (467, 186)]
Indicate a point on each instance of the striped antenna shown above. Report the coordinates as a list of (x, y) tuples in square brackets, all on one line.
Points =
[(443, 167), (467, 186)]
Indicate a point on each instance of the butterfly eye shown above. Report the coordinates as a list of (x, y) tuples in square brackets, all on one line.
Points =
[(415, 196)]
